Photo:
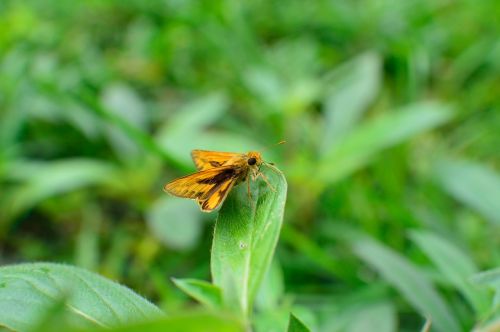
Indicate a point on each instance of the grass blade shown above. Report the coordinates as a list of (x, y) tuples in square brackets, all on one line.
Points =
[(410, 282), (455, 265), (472, 184)]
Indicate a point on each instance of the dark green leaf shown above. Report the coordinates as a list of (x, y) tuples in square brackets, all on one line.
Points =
[(296, 325)]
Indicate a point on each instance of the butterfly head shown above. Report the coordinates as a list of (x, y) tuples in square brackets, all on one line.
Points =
[(254, 159)]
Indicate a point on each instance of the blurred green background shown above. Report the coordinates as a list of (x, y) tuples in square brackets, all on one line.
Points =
[(391, 114)]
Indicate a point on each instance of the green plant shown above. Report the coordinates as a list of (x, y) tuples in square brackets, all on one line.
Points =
[(41, 296)]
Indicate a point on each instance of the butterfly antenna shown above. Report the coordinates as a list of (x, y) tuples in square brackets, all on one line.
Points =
[(270, 146)]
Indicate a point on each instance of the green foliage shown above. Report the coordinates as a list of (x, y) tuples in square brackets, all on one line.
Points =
[(245, 236), (412, 283), (391, 117), (28, 291), (295, 325)]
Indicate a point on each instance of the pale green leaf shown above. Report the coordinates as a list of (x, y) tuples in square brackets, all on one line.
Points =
[(44, 180), (355, 86), (472, 184), (454, 264), (410, 282), (175, 222), (380, 317), (355, 150)]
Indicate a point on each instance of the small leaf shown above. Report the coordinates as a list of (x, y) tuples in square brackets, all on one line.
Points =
[(412, 283), (472, 184), (246, 234), (296, 325), (28, 290), (353, 151), (202, 291), (454, 265)]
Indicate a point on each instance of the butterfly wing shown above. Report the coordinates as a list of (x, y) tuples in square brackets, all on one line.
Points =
[(205, 184), (210, 159), (217, 197)]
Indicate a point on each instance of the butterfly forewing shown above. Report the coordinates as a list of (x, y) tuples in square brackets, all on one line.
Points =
[(215, 200), (211, 159)]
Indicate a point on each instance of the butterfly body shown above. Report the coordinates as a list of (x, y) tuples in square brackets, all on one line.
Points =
[(218, 173)]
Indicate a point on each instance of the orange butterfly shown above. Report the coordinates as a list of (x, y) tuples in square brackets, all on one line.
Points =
[(217, 173)]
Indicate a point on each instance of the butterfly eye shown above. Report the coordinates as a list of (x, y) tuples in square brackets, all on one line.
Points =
[(252, 161)]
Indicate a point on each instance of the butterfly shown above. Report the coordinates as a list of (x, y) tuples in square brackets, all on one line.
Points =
[(218, 173)]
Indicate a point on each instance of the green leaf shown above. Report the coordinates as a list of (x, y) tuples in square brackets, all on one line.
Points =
[(380, 317), (353, 151), (272, 288), (296, 325), (246, 234), (472, 184), (175, 222), (44, 180), (455, 265), (27, 291), (490, 278), (192, 322), (180, 133), (202, 291), (408, 279), (355, 86), (123, 102)]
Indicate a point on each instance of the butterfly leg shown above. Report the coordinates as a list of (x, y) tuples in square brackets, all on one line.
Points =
[(248, 188), (266, 180)]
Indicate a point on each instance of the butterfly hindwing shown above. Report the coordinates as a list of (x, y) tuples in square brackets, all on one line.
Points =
[(218, 196), (203, 184), (211, 159)]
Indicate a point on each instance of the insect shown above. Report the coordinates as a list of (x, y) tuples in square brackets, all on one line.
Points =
[(218, 173)]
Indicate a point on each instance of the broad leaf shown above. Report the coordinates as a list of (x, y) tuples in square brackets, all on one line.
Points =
[(246, 234), (28, 291)]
